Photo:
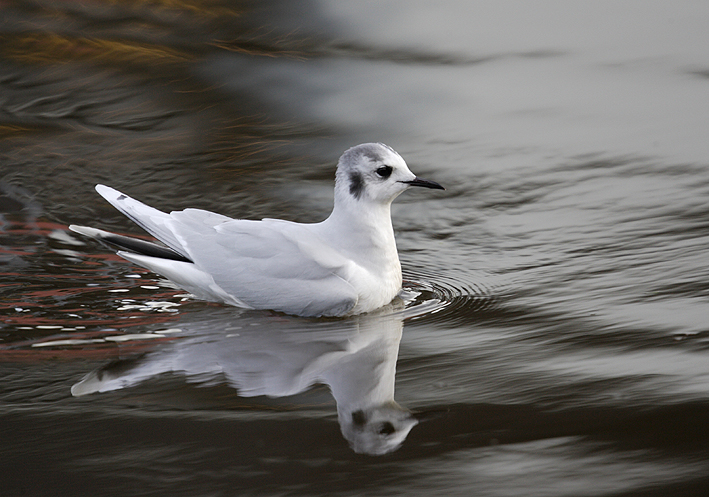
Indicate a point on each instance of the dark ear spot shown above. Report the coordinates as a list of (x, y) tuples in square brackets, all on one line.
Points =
[(356, 185), (359, 419)]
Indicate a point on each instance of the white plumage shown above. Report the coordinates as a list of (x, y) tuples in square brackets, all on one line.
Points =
[(347, 264)]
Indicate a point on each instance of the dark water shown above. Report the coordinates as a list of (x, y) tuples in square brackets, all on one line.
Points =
[(553, 340)]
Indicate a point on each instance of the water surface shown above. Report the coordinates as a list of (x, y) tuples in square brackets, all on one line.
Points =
[(553, 337)]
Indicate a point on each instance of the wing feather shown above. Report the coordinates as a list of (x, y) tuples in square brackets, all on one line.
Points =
[(270, 264), (150, 219)]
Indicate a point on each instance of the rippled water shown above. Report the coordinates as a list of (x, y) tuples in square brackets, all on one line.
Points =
[(552, 339)]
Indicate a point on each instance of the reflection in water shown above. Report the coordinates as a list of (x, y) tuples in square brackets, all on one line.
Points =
[(561, 322), (284, 356)]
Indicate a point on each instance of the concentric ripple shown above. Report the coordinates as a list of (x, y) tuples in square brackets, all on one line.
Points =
[(445, 298)]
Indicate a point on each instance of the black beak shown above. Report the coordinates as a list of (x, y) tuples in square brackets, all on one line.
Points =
[(425, 183)]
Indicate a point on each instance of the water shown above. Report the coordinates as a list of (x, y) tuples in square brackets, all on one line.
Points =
[(553, 340)]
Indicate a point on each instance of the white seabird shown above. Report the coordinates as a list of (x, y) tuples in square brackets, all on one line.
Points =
[(345, 265)]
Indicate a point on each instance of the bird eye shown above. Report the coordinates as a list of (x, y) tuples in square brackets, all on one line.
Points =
[(384, 171), (386, 428)]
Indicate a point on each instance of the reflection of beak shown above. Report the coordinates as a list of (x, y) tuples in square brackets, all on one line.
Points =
[(425, 183), (423, 416)]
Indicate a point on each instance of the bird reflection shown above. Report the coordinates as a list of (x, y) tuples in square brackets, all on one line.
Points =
[(278, 356)]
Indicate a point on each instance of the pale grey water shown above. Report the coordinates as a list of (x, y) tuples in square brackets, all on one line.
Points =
[(556, 339)]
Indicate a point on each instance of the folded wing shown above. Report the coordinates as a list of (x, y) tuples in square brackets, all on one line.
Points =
[(268, 264)]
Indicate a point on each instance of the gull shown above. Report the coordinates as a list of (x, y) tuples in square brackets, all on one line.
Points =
[(345, 265)]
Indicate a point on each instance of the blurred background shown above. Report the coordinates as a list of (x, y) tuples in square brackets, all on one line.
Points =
[(555, 330)]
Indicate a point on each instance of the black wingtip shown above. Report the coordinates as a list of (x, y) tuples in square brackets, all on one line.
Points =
[(132, 244), (143, 247)]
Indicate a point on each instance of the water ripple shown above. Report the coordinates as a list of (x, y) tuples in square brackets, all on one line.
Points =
[(446, 298)]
